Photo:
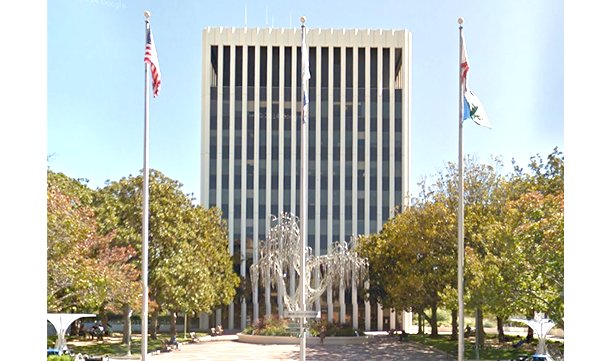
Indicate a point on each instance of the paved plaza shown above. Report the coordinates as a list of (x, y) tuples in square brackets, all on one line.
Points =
[(227, 348)]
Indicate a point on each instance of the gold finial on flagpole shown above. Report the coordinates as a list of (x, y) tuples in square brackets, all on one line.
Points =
[(460, 21), (147, 14), (303, 19)]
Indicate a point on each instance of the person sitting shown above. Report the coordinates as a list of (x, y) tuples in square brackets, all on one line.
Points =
[(93, 331), (173, 342), (468, 330), (220, 329), (109, 330), (82, 331), (100, 332), (527, 339)]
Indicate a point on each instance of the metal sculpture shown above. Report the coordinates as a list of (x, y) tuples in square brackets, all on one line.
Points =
[(280, 255)]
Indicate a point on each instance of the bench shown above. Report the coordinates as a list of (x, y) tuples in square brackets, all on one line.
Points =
[(165, 345), (168, 346)]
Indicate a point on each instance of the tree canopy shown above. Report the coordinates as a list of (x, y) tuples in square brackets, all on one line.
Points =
[(189, 263), (513, 242), (84, 269)]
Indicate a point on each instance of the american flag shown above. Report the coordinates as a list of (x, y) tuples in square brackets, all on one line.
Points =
[(151, 58)]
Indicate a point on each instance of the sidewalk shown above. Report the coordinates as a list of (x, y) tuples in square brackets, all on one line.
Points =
[(227, 348)]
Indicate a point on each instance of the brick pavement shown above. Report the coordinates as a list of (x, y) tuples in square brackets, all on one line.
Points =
[(227, 348)]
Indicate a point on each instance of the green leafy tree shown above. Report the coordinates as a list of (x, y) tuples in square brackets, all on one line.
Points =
[(189, 263), (411, 260), (531, 239), (84, 270)]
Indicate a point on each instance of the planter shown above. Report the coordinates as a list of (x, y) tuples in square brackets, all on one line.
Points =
[(284, 340)]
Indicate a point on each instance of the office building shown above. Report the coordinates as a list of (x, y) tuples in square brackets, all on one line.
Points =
[(358, 147)]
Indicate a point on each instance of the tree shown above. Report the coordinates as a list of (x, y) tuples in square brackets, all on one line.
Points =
[(411, 259), (513, 243), (84, 270), (529, 241), (189, 263)]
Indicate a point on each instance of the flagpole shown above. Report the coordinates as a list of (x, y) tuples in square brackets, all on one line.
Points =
[(303, 203), (145, 211), (460, 237)]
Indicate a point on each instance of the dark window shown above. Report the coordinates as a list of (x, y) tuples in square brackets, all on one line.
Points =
[(239, 66), (288, 68), (324, 69), (263, 67)]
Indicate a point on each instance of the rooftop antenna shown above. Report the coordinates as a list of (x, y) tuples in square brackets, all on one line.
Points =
[(266, 15), (245, 15)]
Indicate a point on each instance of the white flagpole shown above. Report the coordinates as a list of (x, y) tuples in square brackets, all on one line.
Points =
[(303, 204), (460, 245), (145, 212)]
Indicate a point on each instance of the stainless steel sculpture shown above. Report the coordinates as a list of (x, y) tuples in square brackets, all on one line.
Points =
[(280, 254), (540, 327)]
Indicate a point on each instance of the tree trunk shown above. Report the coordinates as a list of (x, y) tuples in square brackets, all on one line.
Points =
[(434, 320), (454, 325), (480, 328), (153, 328), (172, 323), (500, 330), (420, 323), (127, 325), (529, 329), (104, 316), (74, 328)]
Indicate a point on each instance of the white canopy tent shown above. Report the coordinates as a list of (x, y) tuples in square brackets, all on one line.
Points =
[(61, 322)]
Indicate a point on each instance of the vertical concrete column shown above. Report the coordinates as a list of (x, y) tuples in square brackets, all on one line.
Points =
[(330, 167), (256, 201), (204, 323), (243, 188), (380, 315), (232, 146), (407, 321), (281, 155)]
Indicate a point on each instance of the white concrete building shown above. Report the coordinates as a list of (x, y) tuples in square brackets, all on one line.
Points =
[(358, 151)]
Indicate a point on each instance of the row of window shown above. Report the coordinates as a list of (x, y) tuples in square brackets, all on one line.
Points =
[(223, 54)]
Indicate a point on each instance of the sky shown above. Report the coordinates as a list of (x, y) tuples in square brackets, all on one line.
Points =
[(95, 78)]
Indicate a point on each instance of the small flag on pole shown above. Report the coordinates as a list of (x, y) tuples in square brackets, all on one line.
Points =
[(472, 108), (151, 58), (305, 74)]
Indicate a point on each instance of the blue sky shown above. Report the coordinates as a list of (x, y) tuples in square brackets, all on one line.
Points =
[(95, 78)]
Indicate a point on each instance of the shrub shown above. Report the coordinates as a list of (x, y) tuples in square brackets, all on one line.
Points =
[(272, 325), (59, 358), (333, 328), (277, 326)]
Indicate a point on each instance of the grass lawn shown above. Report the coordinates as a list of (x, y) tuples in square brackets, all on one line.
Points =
[(493, 349), (111, 345)]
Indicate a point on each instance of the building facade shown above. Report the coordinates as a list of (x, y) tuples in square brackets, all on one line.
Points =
[(358, 148)]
